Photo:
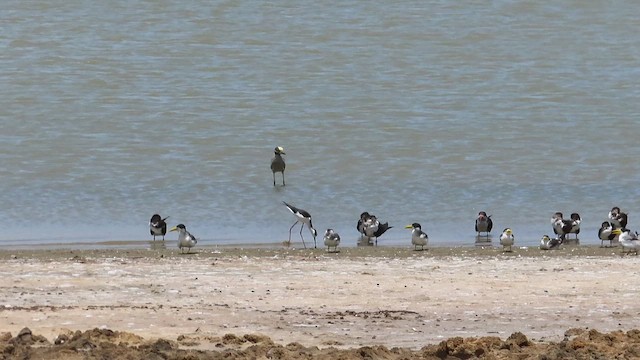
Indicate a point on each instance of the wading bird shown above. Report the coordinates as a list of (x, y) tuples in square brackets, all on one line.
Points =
[(483, 224), (303, 217), (277, 164), (158, 226)]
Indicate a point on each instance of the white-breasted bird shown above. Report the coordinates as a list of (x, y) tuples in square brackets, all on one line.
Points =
[(507, 239), (157, 226), (483, 224), (617, 218), (418, 237), (575, 224), (185, 238), (370, 227), (547, 243), (277, 164), (561, 226), (331, 240), (303, 217), (628, 240), (605, 233)]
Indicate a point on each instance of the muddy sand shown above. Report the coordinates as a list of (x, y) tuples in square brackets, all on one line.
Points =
[(386, 303)]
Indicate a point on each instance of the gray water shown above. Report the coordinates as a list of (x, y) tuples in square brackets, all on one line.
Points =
[(416, 111)]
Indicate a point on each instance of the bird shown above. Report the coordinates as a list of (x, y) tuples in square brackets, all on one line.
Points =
[(575, 224), (547, 243), (185, 238), (561, 226), (605, 233), (370, 227), (303, 217), (331, 240), (483, 223), (158, 226), (418, 237), (277, 164), (617, 218), (629, 241), (507, 239)]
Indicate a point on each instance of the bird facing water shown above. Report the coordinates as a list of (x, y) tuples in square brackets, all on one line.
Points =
[(185, 238), (418, 237), (277, 164), (331, 240), (303, 217), (158, 226)]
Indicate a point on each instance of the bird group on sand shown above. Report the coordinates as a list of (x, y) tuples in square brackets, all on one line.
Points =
[(158, 227), (614, 229)]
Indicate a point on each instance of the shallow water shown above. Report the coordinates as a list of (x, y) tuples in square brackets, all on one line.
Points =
[(415, 111)]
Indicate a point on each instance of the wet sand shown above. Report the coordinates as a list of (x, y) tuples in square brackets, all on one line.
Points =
[(359, 297)]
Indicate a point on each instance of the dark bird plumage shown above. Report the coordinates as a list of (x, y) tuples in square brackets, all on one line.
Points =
[(303, 217), (483, 223), (561, 226), (157, 226), (370, 227), (547, 243), (605, 233)]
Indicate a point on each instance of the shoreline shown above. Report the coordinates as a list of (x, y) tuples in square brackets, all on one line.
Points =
[(362, 296)]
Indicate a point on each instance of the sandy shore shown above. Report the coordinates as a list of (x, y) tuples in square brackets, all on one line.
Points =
[(359, 297)]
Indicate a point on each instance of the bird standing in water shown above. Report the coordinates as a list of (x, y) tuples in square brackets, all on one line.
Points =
[(277, 164), (185, 238), (483, 224), (158, 226), (303, 217)]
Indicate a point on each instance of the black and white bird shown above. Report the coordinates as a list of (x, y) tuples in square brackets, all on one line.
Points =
[(547, 243), (575, 224), (605, 233), (303, 217), (277, 164), (617, 218), (371, 228), (418, 237), (507, 239), (158, 226), (483, 224), (628, 241), (561, 226), (185, 238), (331, 240)]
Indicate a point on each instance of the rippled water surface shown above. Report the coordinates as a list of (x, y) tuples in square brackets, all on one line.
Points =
[(416, 111)]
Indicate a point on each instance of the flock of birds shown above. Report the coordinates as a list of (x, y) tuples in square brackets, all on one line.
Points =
[(370, 228)]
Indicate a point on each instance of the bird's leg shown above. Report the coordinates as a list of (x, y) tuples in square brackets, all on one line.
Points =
[(302, 237), (291, 228), (283, 184), (274, 179)]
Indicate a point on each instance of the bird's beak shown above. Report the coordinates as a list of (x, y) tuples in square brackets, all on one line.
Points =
[(409, 227), (173, 229), (616, 231)]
